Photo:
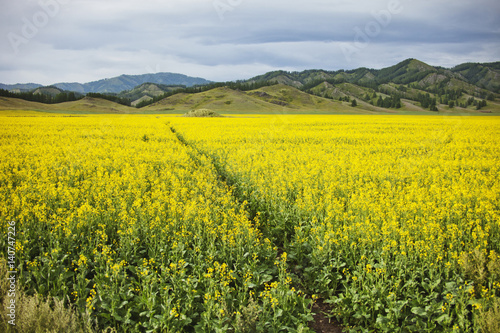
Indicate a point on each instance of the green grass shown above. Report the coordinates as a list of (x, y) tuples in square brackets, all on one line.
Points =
[(277, 99), (34, 314)]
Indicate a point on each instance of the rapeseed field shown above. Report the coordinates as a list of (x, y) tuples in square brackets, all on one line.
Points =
[(240, 224)]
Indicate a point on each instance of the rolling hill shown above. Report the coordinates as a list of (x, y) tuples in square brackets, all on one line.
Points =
[(83, 106), (485, 76), (296, 100), (275, 99), (219, 99), (407, 87), (52, 91), (147, 91), (479, 80)]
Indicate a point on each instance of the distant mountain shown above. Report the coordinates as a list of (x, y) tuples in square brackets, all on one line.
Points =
[(409, 86), (128, 82), (474, 79), (116, 84), (20, 87)]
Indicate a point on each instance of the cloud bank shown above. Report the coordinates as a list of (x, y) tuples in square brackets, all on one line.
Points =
[(49, 41)]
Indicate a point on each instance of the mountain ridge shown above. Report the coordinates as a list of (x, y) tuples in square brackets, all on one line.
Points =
[(485, 75), (410, 85), (116, 84)]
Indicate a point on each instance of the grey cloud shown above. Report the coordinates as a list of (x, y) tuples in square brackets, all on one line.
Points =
[(113, 37)]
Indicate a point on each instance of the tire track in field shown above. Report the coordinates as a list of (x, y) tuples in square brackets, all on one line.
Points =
[(231, 182), (321, 323), (222, 175)]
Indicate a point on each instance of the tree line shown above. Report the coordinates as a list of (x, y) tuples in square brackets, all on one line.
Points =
[(41, 97), (72, 96), (441, 95), (112, 98)]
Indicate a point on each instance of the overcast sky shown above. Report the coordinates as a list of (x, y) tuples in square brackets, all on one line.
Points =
[(51, 41)]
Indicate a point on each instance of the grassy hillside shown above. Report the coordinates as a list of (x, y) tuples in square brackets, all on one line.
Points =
[(483, 75), (222, 100), (279, 98), (85, 105), (53, 91), (296, 100), (147, 91), (96, 105), (480, 80), (8, 103), (410, 86)]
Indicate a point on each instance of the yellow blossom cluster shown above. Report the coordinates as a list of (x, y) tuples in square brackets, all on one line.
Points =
[(177, 224), (394, 201), (119, 214)]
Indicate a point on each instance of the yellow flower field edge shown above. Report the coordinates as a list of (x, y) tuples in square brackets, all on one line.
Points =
[(137, 231), (393, 220)]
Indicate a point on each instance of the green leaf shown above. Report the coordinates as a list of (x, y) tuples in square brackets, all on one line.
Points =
[(436, 284), (266, 278), (419, 311), (105, 315), (382, 320), (450, 286), (443, 319)]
